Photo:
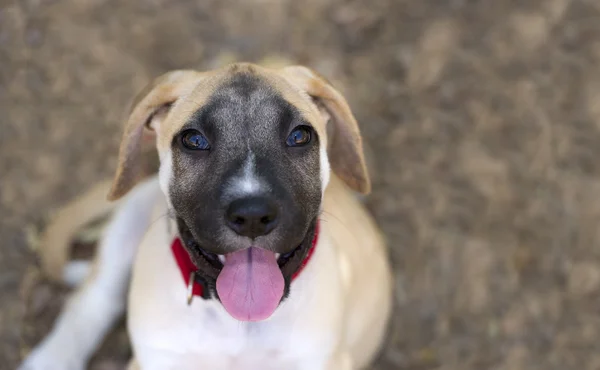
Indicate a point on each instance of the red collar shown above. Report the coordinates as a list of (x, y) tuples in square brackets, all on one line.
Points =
[(187, 268)]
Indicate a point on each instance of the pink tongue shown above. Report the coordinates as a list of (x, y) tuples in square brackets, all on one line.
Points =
[(250, 284)]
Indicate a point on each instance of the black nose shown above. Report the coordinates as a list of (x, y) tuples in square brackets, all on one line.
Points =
[(252, 217)]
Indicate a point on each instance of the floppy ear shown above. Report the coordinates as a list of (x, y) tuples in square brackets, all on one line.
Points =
[(150, 106), (345, 142)]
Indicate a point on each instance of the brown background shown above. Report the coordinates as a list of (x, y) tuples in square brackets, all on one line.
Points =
[(482, 119)]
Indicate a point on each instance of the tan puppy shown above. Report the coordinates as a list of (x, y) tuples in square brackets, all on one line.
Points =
[(248, 250)]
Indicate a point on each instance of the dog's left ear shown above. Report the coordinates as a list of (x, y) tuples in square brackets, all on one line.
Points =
[(345, 142), (149, 107)]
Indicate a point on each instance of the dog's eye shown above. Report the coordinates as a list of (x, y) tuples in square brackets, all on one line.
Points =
[(194, 140), (300, 136)]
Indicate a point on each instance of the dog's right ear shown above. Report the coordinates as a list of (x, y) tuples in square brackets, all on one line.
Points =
[(150, 105)]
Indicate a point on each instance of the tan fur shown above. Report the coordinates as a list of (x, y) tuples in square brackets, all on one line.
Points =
[(56, 239), (357, 238), (163, 91), (186, 91), (348, 315), (296, 84), (345, 149)]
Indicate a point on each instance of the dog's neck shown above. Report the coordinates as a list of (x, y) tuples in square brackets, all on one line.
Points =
[(197, 288)]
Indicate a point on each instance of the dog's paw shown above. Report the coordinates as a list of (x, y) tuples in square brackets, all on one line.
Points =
[(47, 358)]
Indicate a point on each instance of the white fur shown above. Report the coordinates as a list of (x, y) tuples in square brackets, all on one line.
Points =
[(76, 272), (309, 331), (247, 183), (165, 172), (325, 169), (167, 333), (94, 308)]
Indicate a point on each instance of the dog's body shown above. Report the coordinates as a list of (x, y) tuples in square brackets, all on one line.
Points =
[(333, 316)]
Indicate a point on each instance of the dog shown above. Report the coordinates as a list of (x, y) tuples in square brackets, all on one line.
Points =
[(248, 249)]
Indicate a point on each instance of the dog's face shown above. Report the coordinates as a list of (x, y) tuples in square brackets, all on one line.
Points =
[(244, 165)]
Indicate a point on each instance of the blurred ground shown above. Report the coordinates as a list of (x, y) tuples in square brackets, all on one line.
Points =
[(483, 118)]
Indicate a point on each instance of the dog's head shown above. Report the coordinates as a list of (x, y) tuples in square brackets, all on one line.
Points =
[(245, 158)]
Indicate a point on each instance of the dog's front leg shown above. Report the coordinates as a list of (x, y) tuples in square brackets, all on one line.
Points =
[(93, 309)]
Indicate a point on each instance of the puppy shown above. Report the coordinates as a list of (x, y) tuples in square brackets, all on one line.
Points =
[(248, 249)]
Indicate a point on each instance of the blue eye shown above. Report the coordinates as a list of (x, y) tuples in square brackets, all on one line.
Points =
[(194, 140), (300, 136)]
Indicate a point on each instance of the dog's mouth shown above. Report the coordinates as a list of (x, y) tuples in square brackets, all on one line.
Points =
[(217, 261), (286, 262), (251, 282)]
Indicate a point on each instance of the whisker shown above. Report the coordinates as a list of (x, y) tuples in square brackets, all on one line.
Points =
[(334, 217)]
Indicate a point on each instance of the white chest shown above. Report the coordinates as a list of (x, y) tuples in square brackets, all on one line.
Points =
[(168, 334)]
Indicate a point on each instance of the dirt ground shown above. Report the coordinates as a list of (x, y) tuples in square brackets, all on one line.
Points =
[(482, 119)]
